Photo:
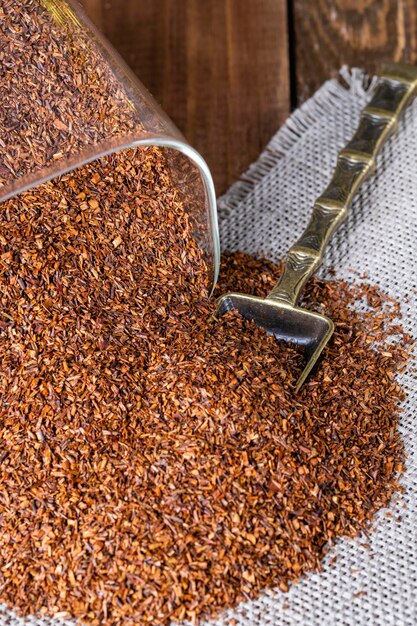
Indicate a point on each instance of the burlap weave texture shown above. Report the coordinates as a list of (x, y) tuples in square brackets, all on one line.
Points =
[(373, 580)]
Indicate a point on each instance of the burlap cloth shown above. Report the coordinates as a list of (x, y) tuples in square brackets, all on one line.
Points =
[(371, 580)]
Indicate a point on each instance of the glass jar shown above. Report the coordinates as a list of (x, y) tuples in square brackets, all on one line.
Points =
[(69, 99)]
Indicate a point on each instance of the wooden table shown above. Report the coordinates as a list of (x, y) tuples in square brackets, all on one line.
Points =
[(228, 72)]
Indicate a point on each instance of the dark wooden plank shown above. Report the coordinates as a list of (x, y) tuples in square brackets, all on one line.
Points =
[(95, 10), (361, 33), (219, 69)]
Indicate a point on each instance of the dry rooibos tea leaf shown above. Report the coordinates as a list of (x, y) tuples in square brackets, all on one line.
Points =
[(156, 465)]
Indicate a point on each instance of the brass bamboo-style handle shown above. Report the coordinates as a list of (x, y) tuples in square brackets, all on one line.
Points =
[(394, 90)]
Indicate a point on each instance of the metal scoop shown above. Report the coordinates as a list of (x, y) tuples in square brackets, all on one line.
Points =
[(278, 313)]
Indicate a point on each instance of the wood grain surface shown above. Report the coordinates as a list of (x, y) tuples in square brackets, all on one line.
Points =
[(228, 71), (219, 69), (363, 33)]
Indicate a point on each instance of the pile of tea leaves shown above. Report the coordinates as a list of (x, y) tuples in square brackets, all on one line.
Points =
[(157, 465)]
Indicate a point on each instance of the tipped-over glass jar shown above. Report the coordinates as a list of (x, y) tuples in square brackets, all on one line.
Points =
[(68, 99)]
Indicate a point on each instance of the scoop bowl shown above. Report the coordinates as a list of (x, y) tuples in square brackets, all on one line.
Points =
[(310, 330)]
